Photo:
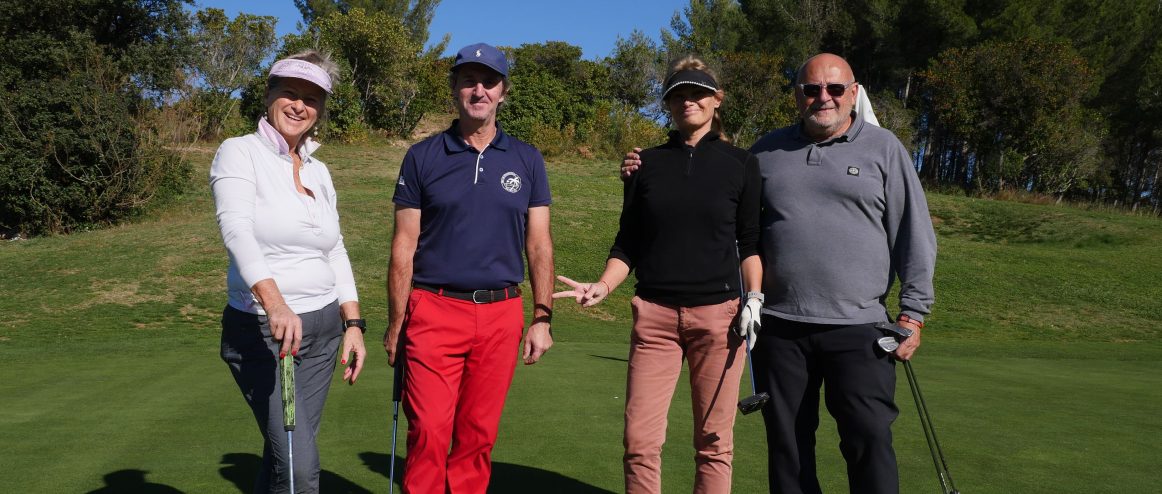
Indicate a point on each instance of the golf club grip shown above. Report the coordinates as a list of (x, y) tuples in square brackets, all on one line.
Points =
[(287, 363), (397, 380)]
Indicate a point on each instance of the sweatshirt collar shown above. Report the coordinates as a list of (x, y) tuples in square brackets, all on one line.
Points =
[(677, 140), (279, 145), (848, 135)]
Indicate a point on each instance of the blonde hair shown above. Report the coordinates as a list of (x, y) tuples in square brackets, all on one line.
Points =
[(691, 62)]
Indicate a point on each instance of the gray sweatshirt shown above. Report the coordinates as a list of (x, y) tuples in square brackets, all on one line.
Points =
[(841, 219)]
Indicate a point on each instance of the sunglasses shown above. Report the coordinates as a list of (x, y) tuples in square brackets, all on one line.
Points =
[(835, 89)]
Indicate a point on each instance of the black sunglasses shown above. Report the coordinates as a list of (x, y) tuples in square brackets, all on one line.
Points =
[(835, 89)]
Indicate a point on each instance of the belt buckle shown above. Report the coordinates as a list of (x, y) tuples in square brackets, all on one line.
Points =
[(485, 292)]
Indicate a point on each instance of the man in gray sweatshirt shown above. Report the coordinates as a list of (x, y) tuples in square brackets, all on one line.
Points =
[(843, 216)]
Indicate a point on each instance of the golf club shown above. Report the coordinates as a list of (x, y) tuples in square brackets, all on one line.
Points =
[(288, 411), (756, 400), (890, 344), (396, 397)]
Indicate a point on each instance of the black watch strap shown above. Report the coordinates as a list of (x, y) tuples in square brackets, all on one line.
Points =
[(356, 323)]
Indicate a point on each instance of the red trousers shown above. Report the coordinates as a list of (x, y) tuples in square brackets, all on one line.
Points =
[(459, 360)]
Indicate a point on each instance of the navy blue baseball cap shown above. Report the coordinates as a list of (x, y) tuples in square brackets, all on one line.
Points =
[(484, 54)]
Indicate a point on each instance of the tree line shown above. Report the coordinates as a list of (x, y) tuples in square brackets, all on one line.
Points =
[(1055, 97)]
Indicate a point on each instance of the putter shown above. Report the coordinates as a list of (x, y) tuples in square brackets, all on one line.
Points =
[(756, 400), (288, 411), (396, 397), (890, 344)]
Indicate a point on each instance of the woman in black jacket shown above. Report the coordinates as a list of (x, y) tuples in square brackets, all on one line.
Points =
[(687, 220)]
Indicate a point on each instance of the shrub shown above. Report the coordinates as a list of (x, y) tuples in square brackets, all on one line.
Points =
[(81, 152), (617, 128)]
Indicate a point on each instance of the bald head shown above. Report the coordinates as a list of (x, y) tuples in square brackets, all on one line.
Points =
[(824, 62), (825, 115)]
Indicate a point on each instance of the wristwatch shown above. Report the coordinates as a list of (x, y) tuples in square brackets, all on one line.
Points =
[(356, 323)]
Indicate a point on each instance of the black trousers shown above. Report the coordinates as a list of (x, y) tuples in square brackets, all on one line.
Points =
[(792, 362)]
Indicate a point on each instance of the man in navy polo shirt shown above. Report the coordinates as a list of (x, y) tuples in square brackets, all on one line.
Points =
[(467, 202)]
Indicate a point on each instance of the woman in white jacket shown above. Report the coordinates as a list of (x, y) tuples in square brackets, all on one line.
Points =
[(290, 286)]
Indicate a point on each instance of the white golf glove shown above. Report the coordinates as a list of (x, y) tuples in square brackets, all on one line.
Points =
[(750, 319)]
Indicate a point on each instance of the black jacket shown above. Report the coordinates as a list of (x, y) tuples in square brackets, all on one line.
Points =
[(683, 211)]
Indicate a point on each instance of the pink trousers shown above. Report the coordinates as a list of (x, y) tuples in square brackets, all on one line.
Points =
[(663, 336)]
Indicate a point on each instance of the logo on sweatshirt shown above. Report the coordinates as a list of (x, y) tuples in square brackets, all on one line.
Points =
[(853, 171), (511, 182)]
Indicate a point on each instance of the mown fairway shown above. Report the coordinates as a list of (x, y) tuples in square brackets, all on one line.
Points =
[(1040, 366)]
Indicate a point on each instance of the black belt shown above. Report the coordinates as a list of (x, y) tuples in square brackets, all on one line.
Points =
[(475, 296)]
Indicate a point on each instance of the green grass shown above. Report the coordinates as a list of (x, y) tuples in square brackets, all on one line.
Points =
[(1041, 363)]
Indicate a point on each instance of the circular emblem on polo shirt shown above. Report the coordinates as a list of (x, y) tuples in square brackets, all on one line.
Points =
[(511, 182)]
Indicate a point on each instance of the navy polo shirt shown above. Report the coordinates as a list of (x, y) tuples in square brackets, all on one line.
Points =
[(474, 206)]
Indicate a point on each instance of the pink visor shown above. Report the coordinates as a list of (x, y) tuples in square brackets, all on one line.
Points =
[(302, 69)]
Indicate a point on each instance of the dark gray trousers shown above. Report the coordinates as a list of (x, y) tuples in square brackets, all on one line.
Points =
[(253, 360), (792, 361)]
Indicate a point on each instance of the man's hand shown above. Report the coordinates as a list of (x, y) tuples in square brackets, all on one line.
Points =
[(631, 163), (391, 342), (750, 321), (908, 347), (537, 341)]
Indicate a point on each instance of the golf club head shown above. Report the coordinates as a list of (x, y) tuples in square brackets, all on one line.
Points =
[(753, 403), (888, 344), (894, 330)]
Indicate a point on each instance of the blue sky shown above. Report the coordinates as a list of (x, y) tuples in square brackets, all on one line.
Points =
[(593, 25)]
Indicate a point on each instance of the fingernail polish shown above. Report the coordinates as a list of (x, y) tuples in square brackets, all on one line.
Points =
[(344, 362), (295, 353), (281, 356)]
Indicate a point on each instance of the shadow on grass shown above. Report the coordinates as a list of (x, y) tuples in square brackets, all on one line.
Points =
[(132, 481), (606, 357), (242, 468), (506, 477)]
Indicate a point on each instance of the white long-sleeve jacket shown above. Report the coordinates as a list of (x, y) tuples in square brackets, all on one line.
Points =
[(272, 231)]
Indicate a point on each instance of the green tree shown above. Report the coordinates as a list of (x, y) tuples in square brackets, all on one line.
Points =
[(797, 29), (416, 15), (705, 28), (635, 70), (757, 100), (231, 53), (77, 93), (384, 64), (555, 95), (981, 95)]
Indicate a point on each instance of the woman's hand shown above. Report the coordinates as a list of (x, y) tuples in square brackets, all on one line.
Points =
[(353, 343), (286, 328), (586, 294)]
